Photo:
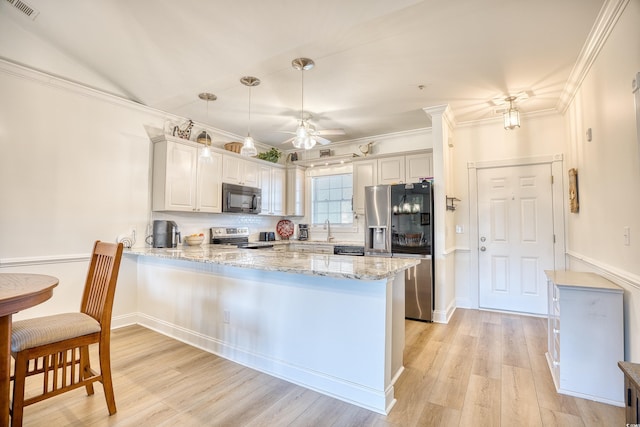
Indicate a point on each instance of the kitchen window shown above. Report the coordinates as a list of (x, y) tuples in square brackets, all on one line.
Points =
[(331, 198)]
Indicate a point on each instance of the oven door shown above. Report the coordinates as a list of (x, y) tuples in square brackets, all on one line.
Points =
[(241, 199)]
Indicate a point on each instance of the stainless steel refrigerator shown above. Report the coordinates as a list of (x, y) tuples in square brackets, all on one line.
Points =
[(399, 223)]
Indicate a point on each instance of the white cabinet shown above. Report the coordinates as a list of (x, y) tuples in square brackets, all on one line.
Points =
[(182, 181), (295, 191), (365, 173), (311, 248), (585, 336), (236, 170), (391, 170), (403, 169), (272, 183), (418, 166)]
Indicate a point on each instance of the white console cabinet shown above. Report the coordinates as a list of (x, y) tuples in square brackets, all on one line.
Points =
[(586, 336)]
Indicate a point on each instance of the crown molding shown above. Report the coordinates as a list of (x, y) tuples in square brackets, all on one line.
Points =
[(605, 22), (20, 71)]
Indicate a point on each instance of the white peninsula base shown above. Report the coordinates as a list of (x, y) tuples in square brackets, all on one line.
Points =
[(340, 337)]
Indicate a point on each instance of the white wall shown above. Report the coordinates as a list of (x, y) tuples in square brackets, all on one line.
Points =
[(609, 170)]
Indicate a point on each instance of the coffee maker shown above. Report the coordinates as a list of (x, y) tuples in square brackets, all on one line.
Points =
[(303, 231), (165, 234)]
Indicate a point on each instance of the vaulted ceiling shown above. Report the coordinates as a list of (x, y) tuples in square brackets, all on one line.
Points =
[(378, 63)]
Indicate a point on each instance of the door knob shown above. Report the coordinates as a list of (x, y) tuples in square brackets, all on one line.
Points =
[(483, 239), (482, 248)]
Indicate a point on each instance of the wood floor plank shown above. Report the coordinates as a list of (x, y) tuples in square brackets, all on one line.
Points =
[(482, 402), (519, 403), (483, 368)]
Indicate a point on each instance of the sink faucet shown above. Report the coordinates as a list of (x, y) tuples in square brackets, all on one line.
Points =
[(327, 226)]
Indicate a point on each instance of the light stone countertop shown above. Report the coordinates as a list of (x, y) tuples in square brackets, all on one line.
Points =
[(337, 266)]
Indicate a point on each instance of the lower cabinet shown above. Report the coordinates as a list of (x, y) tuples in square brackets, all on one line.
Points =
[(311, 248), (585, 336)]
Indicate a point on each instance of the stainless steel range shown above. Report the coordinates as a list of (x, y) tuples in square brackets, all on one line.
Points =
[(235, 236)]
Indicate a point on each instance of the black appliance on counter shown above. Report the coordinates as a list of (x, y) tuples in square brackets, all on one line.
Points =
[(236, 236), (303, 231), (267, 236), (399, 223), (165, 234), (348, 250)]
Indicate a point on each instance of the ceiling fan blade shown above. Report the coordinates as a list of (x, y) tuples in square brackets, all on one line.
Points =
[(288, 140), (330, 132), (321, 140), (287, 131)]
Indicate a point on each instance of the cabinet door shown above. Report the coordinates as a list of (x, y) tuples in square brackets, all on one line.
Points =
[(365, 173), (418, 166), (209, 184), (278, 191), (265, 185), (180, 190), (391, 170), (250, 174), (231, 170), (295, 191)]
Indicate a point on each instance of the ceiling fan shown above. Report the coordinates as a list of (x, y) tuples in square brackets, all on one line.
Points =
[(306, 134)]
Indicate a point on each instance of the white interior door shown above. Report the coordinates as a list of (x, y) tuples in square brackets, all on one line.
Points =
[(515, 228)]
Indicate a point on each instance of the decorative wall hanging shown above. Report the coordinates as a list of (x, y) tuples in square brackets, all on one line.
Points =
[(574, 206)]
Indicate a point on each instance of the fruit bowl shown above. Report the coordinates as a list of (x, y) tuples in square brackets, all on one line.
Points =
[(194, 240)]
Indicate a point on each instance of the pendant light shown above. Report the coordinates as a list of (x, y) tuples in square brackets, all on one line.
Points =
[(248, 147), (205, 154), (303, 139), (511, 115)]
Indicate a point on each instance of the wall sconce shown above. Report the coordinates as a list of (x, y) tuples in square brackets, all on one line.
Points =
[(511, 115)]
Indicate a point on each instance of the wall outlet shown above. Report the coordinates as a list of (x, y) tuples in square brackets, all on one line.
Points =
[(226, 316)]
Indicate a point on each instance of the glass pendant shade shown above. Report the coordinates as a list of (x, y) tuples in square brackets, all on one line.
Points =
[(248, 147), (511, 116)]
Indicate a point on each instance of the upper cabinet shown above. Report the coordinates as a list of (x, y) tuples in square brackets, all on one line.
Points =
[(236, 170), (272, 183), (295, 191), (183, 181), (404, 169), (365, 174), (418, 166), (388, 171)]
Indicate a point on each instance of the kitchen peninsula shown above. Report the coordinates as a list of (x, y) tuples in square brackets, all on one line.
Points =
[(334, 324)]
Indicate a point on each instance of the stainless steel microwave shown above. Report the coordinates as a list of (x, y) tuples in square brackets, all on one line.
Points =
[(241, 199)]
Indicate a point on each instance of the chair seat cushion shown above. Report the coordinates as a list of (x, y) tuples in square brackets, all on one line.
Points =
[(35, 332)]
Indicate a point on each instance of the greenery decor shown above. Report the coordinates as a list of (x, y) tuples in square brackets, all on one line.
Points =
[(271, 156)]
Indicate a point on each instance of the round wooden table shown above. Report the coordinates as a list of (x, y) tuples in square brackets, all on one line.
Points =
[(17, 292)]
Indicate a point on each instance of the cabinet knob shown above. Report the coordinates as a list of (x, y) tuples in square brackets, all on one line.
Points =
[(482, 248), (556, 331)]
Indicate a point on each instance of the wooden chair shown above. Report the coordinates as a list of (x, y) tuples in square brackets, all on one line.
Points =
[(58, 346)]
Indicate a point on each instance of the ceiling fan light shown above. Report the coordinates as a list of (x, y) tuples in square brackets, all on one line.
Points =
[(309, 143), (248, 147)]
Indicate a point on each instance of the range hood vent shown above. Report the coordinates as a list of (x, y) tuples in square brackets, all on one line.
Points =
[(24, 8)]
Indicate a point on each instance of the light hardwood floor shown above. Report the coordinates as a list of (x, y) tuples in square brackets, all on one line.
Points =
[(482, 369)]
